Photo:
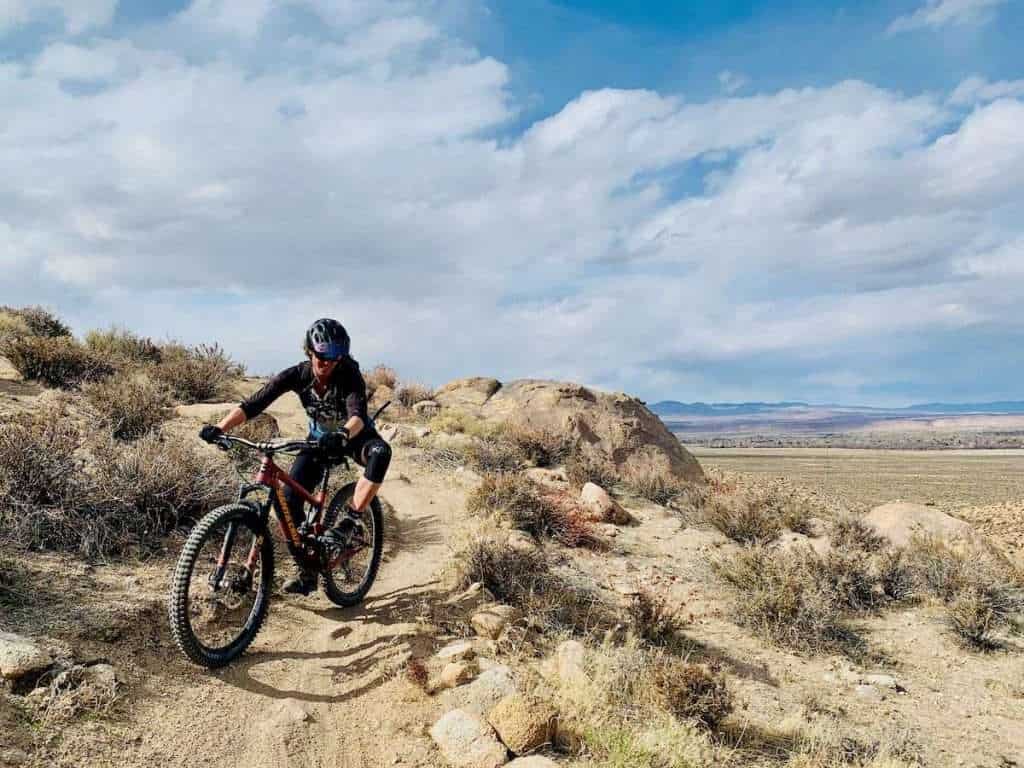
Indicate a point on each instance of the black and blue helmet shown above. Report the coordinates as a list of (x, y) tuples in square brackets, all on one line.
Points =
[(327, 339)]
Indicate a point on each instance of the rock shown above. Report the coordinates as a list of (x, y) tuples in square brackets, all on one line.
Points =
[(490, 620), (866, 692), (899, 522), (612, 428), (468, 475), (103, 675), (551, 478), (461, 650), (389, 432), (569, 658), (20, 657), (533, 761), (426, 408), (521, 541), (458, 673), (421, 432), (523, 723), (466, 741), (882, 681), (600, 507), (471, 393), (488, 689)]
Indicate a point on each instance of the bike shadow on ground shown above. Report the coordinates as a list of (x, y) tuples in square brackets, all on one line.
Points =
[(369, 664), (408, 534)]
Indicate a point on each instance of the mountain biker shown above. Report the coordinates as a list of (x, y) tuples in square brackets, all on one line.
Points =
[(333, 394)]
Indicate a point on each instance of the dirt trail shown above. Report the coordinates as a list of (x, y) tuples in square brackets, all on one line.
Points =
[(319, 685)]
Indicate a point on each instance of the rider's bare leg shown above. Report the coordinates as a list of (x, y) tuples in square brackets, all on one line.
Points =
[(364, 493)]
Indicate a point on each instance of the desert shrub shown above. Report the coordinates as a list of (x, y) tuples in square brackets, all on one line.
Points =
[(57, 361), (526, 506), (850, 532), (895, 576), (852, 576), (257, 429), (12, 326), (540, 447), (493, 454), (525, 580), (456, 422), (416, 673), (691, 691), (741, 519), (412, 393), (380, 376), (581, 469), (129, 406), (982, 591), (103, 498), (782, 596), (687, 496), (654, 620), (75, 692), (38, 467), (121, 346), (196, 374), (12, 590), (39, 321)]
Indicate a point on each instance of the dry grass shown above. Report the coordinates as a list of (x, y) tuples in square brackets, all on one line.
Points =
[(525, 580), (417, 674), (12, 326), (851, 532), (74, 693), (98, 495), (654, 620), (581, 469), (57, 361), (525, 505), (691, 691), (410, 394), (667, 491), (786, 598), (493, 454), (540, 447), (260, 428), (983, 593), (380, 376), (122, 347), (756, 515), (197, 374), (129, 406), (37, 320)]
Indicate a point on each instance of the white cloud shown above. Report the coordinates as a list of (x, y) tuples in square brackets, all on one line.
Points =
[(205, 197), (939, 13), (77, 15), (732, 82), (978, 90)]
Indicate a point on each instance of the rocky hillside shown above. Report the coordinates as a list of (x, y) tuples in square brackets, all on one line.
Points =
[(562, 586)]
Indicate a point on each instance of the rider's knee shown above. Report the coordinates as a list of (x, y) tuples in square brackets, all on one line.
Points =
[(378, 459)]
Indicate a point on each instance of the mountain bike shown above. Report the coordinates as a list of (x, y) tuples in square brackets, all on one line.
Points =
[(220, 590)]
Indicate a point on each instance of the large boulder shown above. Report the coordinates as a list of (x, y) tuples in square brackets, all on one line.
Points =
[(466, 741), (607, 427), (900, 521), (467, 394), (488, 689)]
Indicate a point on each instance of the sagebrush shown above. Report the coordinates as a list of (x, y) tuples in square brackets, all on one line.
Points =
[(197, 374), (121, 346), (129, 405), (57, 361)]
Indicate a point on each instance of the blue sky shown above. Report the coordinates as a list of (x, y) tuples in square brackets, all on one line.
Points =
[(711, 201)]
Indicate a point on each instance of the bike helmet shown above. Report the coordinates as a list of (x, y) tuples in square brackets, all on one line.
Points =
[(327, 339)]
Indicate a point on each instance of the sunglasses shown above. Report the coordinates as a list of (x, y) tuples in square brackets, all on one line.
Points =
[(329, 353)]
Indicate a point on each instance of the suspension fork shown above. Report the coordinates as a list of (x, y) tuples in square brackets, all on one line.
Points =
[(225, 553)]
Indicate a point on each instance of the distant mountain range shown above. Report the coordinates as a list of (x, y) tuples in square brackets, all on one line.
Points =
[(676, 409)]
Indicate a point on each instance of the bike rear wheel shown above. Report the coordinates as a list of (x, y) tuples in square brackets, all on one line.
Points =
[(349, 574), (214, 620)]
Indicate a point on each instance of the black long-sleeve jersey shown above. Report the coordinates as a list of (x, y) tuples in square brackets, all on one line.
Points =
[(344, 398)]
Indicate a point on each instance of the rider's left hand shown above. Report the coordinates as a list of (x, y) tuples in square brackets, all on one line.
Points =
[(334, 443)]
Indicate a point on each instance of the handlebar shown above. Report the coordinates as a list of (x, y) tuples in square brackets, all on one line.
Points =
[(268, 446)]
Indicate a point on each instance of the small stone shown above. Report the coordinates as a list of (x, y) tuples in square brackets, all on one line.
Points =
[(492, 619), (523, 723), (533, 761), (466, 741), (20, 656), (882, 681), (13, 757), (461, 650), (426, 408), (601, 507), (457, 673), (866, 691), (488, 689)]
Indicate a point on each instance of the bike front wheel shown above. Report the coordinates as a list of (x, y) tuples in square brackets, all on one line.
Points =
[(349, 574), (220, 590)]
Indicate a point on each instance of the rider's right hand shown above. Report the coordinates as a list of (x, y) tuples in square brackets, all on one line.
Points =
[(211, 433)]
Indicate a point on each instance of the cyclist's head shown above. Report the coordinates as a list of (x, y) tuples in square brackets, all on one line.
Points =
[(327, 340)]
